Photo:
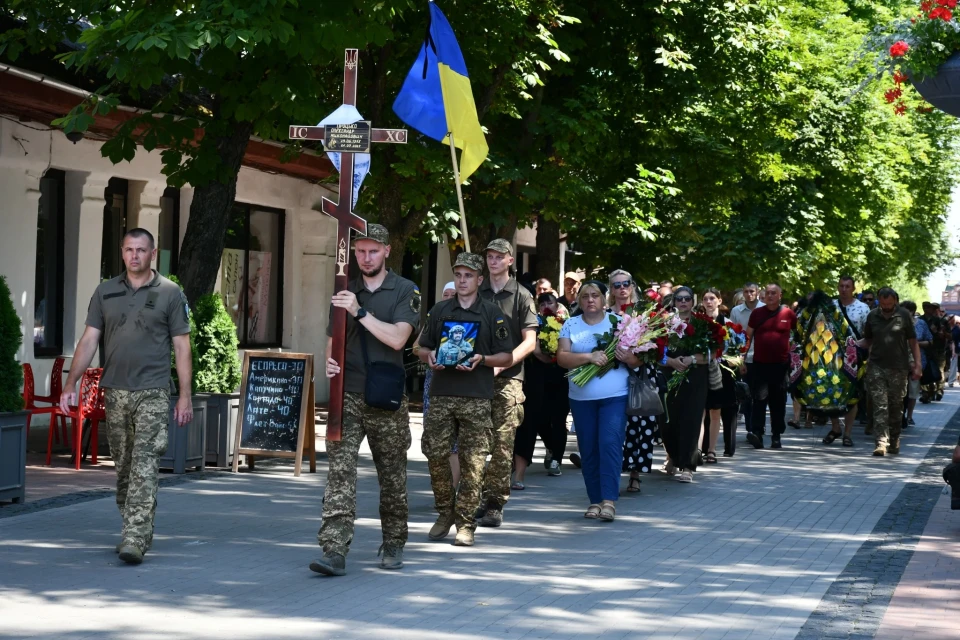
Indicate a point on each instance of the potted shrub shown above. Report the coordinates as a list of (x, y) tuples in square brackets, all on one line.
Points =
[(13, 420), (216, 374), (922, 50)]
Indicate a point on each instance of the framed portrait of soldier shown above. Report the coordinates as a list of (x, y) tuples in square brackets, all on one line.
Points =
[(457, 340)]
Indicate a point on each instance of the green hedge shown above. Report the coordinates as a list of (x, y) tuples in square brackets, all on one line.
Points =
[(214, 343), (11, 337)]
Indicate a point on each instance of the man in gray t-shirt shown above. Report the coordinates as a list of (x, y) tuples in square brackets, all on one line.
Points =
[(740, 314), (140, 314)]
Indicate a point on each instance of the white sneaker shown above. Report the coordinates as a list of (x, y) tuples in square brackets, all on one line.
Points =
[(554, 469)]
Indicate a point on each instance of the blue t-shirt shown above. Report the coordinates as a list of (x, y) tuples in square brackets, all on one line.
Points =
[(583, 340)]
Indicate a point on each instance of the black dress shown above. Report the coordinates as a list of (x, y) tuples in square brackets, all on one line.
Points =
[(643, 434), (681, 430)]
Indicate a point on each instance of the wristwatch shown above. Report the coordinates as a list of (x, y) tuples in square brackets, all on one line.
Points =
[(483, 360), (361, 313)]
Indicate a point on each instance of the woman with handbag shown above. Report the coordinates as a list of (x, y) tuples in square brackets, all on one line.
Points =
[(642, 431), (599, 406), (685, 404)]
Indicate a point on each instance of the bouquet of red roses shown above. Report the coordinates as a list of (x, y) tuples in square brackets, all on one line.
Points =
[(701, 335)]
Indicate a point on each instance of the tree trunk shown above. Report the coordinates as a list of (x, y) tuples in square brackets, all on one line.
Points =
[(548, 251), (209, 218)]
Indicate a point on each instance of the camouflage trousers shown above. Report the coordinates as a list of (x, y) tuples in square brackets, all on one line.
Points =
[(137, 431), (388, 433), (476, 426), (507, 415), (887, 388)]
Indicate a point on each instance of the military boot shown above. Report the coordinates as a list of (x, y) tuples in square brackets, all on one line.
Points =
[(392, 556), (894, 446), (492, 518), (464, 538), (130, 553), (441, 527), (331, 564), (880, 450), (120, 546)]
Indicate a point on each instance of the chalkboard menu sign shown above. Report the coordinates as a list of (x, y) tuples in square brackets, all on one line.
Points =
[(276, 411)]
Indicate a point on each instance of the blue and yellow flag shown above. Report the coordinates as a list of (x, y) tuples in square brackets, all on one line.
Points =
[(436, 98)]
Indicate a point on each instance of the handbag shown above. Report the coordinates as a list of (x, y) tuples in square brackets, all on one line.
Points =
[(643, 398), (714, 375), (385, 384)]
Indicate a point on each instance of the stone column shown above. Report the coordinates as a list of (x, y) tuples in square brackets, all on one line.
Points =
[(143, 207), (83, 274)]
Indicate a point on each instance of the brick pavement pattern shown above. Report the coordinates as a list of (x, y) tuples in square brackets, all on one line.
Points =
[(748, 551)]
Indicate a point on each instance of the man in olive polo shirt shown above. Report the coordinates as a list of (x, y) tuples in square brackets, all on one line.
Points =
[(462, 394), (139, 314), (520, 313), (890, 336), (383, 309)]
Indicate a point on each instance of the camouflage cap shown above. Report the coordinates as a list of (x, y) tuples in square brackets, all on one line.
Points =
[(469, 260), (500, 245), (376, 232)]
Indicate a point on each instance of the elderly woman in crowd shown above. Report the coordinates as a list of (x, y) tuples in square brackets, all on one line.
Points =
[(600, 405), (685, 404), (642, 432)]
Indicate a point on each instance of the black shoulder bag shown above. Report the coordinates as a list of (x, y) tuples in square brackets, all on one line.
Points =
[(385, 381)]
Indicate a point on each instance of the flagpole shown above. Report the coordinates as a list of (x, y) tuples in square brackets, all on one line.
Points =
[(456, 178)]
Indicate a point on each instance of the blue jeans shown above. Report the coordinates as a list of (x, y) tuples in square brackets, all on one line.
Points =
[(601, 427)]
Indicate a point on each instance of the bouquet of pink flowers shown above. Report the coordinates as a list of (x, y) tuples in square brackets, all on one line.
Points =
[(643, 331)]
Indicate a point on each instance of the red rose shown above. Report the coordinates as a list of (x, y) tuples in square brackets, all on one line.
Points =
[(899, 48), (690, 330), (738, 328), (926, 5)]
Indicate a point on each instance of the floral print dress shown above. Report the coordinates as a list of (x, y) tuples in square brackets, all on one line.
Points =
[(643, 434)]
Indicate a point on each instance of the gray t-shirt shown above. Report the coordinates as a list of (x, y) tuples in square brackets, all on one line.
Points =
[(137, 329)]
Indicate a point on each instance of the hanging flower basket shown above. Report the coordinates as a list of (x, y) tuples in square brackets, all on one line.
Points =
[(923, 50), (943, 89)]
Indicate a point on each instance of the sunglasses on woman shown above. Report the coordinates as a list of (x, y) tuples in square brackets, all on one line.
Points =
[(682, 298), (621, 285)]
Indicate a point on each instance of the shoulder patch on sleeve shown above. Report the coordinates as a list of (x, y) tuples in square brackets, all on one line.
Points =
[(502, 333), (186, 306), (416, 300)]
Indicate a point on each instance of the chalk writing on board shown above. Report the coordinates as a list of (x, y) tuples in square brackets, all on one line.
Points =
[(271, 411)]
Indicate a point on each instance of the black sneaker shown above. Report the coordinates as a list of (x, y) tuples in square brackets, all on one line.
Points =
[(775, 444), (575, 459), (331, 564), (755, 440), (492, 518)]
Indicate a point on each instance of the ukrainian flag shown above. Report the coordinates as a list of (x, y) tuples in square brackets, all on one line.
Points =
[(436, 98)]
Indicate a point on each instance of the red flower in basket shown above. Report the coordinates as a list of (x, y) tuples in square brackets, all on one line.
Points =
[(899, 49)]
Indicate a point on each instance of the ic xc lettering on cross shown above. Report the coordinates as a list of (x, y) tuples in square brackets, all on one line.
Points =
[(346, 139)]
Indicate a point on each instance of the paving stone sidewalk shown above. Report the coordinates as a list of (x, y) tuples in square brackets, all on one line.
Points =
[(749, 550)]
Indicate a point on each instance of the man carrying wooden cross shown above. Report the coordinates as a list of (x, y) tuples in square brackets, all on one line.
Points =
[(383, 310)]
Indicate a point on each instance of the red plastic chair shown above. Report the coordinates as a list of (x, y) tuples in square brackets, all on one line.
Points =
[(89, 407), (30, 398)]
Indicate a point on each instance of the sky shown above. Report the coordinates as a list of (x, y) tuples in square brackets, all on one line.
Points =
[(938, 280)]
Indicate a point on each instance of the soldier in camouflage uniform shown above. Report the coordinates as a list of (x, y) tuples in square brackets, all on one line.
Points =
[(140, 314), (519, 311), (384, 310), (890, 335), (462, 393)]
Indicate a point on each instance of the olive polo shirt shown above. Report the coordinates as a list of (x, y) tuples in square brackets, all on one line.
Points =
[(397, 300), (137, 328), (455, 333), (520, 313), (890, 338)]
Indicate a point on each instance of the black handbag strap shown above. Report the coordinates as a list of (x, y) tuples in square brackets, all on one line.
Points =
[(843, 310)]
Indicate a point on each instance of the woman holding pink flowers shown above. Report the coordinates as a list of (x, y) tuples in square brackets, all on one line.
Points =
[(642, 432), (599, 404)]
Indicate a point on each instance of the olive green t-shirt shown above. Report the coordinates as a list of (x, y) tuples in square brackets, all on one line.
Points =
[(137, 327), (890, 338), (457, 333), (520, 313), (397, 300)]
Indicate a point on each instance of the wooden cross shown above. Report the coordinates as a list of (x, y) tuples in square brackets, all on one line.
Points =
[(347, 140)]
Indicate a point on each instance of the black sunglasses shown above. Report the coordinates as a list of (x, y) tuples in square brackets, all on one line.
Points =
[(682, 298), (621, 285)]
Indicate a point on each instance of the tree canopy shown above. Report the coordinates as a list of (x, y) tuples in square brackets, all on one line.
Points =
[(707, 141)]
